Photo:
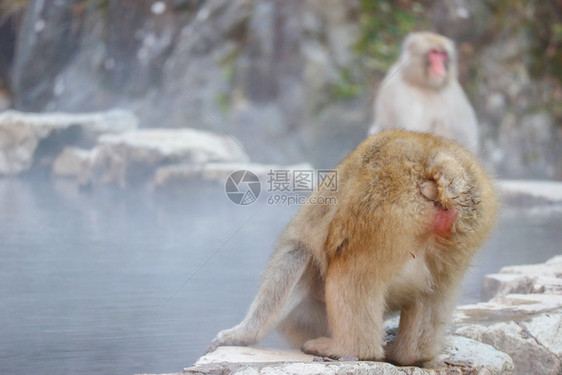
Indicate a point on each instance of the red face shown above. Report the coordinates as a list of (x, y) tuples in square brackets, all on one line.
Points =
[(438, 62)]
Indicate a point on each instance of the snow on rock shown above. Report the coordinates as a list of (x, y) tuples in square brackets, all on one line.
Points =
[(133, 157), (31, 138), (528, 191), (460, 356), (532, 278), (530, 356), (526, 326), (238, 354)]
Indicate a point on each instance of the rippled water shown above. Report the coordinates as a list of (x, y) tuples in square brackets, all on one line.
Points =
[(122, 283)]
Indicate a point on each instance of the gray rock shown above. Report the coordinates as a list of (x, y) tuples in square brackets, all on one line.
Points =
[(241, 354), (546, 329), (528, 327), (74, 162), (133, 157), (552, 268), (29, 138), (502, 284), (529, 355), (533, 278), (508, 308), (470, 355), (522, 191), (461, 356)]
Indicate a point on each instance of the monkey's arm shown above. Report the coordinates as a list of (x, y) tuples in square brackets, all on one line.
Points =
[(283, 272)]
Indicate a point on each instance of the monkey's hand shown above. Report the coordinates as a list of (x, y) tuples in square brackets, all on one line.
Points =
[(236, 336)]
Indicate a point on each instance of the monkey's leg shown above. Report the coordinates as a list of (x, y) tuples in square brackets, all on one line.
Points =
[(355, 306), (282, 273), (421, 329), (306, 321), (306, 318)]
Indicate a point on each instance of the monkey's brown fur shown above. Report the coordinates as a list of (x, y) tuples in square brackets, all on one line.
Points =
[(412, 210)]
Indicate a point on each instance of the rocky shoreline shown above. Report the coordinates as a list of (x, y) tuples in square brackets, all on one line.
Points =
[(518, 331), (109, 149)]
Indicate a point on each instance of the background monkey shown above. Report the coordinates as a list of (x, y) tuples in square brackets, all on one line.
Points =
[(412, 210), (421, 92)]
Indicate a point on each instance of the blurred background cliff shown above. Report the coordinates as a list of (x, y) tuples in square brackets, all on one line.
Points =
[(292, 80)]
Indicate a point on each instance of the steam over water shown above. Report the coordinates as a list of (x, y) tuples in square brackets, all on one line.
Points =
[(119, 283)]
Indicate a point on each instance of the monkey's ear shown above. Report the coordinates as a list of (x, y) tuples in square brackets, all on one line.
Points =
[(429, 190)]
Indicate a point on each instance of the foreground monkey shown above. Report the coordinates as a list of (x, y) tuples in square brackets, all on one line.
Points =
[(412, 210), (421, 92)]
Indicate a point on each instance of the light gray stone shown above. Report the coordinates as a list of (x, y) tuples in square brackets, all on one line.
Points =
[(73, 162), (552, 268), (132, 158), (240, 354), (513, 190), (502, 284), (547, 331), (509, 307), (528, 354), (555, 260), (523, 279), (528, 327), (175, 144), (461, 356), (22, 133), (465, 353)]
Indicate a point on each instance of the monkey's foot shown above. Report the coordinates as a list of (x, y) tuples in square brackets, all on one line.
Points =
[(323, 347), (402, 355), (328, 347), (233, 336)]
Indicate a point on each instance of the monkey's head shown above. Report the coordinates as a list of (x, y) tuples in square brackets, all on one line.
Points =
[(430, 60)]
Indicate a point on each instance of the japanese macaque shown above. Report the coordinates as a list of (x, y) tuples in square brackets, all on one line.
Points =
[(421, 92), (411, 211)]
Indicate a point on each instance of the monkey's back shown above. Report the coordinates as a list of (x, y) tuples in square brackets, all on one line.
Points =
[(380, 207)]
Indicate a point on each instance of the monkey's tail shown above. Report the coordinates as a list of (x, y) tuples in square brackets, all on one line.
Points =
[(284, 270), (454, 186)]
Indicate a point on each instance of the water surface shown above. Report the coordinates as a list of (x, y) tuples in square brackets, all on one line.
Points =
[(121, 283)]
